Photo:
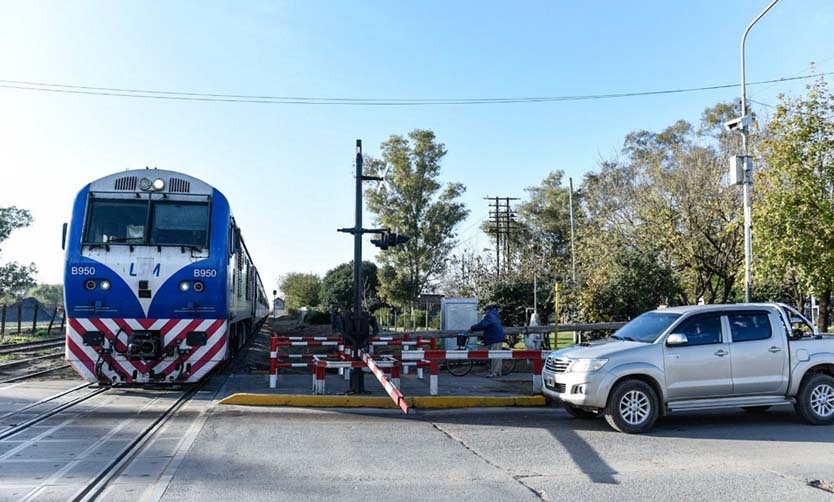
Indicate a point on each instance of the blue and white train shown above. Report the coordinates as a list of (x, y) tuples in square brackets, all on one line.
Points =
[(158, 286)]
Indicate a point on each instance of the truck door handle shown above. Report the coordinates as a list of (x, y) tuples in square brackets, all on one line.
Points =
[(721, 353), (774, 349)]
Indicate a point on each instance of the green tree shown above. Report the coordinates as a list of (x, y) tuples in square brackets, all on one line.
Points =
[(631, 284), (668, 198), (48, 294), (300, 290), (12, 218), (337, 286), (793, 214), (413, 202), (513, 295), (15, 278)]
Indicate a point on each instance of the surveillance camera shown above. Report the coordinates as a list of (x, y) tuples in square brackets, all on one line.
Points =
[(738, 123)]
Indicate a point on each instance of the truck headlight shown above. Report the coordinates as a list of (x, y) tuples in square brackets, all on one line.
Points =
[(587, 365)]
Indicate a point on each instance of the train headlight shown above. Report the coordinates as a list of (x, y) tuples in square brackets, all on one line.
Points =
[(198, 286), (90, 285), (158, 184), (145, 184), (184, 286), (105, 285)]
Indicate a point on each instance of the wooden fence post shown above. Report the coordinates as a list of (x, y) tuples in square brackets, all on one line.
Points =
[(63, 319), (19, 317), (52, 319), (35, 318)]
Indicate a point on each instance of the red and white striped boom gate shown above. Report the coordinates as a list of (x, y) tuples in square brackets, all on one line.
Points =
[(420, 357), (434, 356)]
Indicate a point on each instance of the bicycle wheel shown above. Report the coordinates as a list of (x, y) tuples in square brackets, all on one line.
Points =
[(458, 367)]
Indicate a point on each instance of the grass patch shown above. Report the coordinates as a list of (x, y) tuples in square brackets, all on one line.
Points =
[(27, 337)]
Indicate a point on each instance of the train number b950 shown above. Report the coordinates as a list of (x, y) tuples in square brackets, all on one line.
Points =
[(82, 270), (205, 272)]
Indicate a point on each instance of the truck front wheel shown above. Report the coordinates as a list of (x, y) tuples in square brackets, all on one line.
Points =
[(815, 401), (632, 407)]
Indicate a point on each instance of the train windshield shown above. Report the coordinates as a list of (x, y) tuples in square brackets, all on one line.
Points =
[(116, 221), (180, 223), (140, 222)]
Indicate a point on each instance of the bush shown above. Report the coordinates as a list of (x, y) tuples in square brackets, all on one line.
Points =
[(317, 317)]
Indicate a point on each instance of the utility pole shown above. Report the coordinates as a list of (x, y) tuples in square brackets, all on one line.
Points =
[(503, 218), (572, 249)]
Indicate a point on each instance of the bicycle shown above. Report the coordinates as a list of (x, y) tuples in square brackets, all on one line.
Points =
[(461, 367)]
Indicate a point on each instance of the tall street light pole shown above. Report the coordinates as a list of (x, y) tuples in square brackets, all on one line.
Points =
[(743, 125)]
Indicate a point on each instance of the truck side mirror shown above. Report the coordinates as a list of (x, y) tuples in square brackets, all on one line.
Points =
[(64, 237), (676, 339)]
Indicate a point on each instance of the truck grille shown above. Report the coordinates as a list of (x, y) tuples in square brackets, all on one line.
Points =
[(558, 387), (557, 365)]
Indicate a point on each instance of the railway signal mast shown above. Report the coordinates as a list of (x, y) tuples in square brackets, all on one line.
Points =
[(357, 322)]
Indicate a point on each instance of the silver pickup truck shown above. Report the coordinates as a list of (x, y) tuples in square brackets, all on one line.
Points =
[(751, 356)]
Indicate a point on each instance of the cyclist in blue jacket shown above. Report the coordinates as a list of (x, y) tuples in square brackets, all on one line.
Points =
[(493, 336)]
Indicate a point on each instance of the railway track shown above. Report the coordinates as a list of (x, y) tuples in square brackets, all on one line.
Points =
[(14, 348), (44, 409), (42, 361), (103, 429)]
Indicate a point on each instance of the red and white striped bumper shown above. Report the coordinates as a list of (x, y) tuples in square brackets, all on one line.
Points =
[(110, 363)]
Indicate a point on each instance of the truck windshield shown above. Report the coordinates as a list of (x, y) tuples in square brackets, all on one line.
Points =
[(647, 327), (140, 222)]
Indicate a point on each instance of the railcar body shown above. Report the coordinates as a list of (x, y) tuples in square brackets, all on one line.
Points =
[(158, 284)]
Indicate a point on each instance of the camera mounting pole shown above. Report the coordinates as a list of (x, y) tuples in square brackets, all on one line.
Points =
[(742, 125)]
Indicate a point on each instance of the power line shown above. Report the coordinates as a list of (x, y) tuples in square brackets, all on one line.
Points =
[(320, 101)]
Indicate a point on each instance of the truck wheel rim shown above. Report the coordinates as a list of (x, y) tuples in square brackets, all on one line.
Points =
[(635, 407), (822, 400)]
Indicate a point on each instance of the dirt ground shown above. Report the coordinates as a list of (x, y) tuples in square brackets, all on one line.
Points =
[(255, 356)]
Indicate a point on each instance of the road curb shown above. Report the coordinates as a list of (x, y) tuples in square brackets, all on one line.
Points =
[(440, 402), (423, 402)]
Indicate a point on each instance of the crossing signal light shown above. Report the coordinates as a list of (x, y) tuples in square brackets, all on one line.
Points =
[(387, 239), (396, 239)]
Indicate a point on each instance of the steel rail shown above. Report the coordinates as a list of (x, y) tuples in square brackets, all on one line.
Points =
[(98, 485), (44, 400), (54, 411), (32, 375), (29, 346), (29, 360)]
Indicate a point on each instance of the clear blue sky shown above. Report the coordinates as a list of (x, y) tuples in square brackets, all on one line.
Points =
[(287, 169)]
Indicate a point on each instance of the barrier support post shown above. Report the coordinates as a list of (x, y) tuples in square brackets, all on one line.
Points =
[(273, 361), (433, 371), (321, 370), (537, 375), (395, 374)]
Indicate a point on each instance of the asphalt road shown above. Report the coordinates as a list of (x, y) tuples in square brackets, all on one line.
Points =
[(250, 453)]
